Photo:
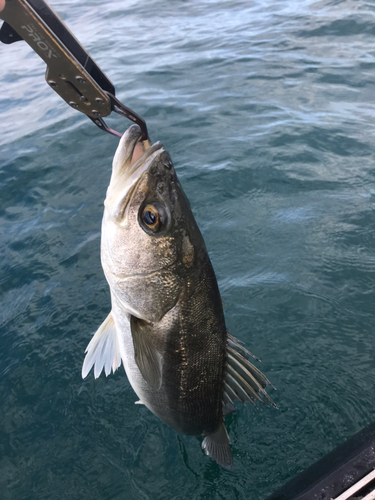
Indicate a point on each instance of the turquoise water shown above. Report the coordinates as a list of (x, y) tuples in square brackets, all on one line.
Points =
[(267, 109)]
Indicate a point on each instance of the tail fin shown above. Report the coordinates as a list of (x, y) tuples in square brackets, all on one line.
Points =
[(217, 446)]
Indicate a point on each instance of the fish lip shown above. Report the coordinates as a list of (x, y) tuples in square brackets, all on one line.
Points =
[(126, 175), (125, 148), (122, 162), (134, 171)]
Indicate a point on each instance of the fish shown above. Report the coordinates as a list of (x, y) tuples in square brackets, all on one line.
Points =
[(166, 324)]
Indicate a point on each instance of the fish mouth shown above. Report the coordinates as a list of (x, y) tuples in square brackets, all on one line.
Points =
[(133, 157)]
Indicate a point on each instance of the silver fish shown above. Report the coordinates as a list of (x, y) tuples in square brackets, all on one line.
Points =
[(167, 324)]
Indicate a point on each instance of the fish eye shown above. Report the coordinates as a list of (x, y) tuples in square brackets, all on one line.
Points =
[(152, 218)]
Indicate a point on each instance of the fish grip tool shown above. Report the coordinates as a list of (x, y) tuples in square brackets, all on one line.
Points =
[(71, 72)]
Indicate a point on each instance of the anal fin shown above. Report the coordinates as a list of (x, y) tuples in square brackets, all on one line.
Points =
[(103, 350), (217, 446)]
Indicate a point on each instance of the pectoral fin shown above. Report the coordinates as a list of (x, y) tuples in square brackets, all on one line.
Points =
[(148, 359), (103, 350)]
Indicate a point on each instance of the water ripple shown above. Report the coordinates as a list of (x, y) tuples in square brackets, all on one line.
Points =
[(267, 111)]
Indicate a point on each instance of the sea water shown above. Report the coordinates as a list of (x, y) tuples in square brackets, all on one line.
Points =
[(267, 108)]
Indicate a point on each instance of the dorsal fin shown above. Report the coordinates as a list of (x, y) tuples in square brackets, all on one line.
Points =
[(243, 382)]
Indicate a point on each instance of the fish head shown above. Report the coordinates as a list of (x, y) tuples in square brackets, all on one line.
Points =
[(150, 240)]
